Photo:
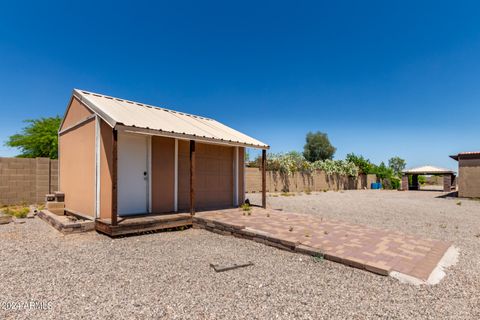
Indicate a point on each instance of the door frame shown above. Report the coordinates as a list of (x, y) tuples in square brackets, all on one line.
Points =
[(149, 174)]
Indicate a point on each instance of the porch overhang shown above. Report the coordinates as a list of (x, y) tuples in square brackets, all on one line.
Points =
[(187, 137)]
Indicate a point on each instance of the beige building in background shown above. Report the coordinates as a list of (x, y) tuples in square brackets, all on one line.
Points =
[(123, 158), (468, 174)]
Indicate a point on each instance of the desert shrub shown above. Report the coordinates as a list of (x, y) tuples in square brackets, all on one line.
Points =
[(18, 212), (246, 207)]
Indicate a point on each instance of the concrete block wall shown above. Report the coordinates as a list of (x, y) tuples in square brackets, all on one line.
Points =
[(298, 182), (27, 180)]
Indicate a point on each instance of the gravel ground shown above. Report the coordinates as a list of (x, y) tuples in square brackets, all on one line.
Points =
[(167, 275)]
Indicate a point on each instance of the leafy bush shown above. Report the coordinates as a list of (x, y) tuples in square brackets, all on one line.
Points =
[(364, 165), (395, 183), (292, 162), (353, 164), (422, 180), (387, 176), (383, 172), (341, 167)]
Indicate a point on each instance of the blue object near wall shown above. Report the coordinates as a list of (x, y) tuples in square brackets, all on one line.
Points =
[(376, 185)]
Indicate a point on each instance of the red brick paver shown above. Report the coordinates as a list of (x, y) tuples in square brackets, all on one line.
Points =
[(376, 250)]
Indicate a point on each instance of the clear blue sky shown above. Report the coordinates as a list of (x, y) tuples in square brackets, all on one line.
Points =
[(382, 78)]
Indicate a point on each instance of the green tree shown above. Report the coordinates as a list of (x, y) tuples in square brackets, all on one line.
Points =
[(364, 165), (397, 164), (383, 172), (38, 139), (318, 147)]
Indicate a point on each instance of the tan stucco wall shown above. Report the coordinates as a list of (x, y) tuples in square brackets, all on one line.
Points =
[(77, 168), (163, 157), (76, 112), (106, 158), (469, 178)]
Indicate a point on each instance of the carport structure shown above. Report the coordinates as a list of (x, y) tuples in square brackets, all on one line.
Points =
[(448, 177)]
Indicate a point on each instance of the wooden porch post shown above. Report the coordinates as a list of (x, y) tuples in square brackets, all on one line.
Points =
[(264, 178), (114, 178), (192, 177)]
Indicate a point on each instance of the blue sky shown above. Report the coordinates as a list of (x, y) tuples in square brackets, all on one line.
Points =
[(382, 78)]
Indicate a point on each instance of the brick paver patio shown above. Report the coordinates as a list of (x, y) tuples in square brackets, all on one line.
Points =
[(376, 250)]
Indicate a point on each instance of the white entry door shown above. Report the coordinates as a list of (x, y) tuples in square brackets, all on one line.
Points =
[(133, 174)]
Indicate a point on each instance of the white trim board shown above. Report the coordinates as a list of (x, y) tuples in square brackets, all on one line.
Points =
[(149, 172), (235, 177), (244, 176), (97, 166), (175, 179)]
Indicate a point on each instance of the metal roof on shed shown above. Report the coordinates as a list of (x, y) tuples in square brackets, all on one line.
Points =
[(134, 115), (427, 170)]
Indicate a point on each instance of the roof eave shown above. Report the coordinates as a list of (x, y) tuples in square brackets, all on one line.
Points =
[(184, 136), (428, 172), (454, 157), (78, 94)]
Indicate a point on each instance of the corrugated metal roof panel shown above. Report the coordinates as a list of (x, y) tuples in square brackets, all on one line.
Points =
[(138, 115)]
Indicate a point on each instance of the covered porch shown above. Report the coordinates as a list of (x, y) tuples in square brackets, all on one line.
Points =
[(186, 183)]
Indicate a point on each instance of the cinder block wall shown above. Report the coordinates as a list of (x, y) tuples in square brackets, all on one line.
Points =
[(298, 182), (27, 180)]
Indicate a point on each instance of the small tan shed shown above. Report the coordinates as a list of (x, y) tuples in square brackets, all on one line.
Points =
[(468, 174), (123, 158)]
